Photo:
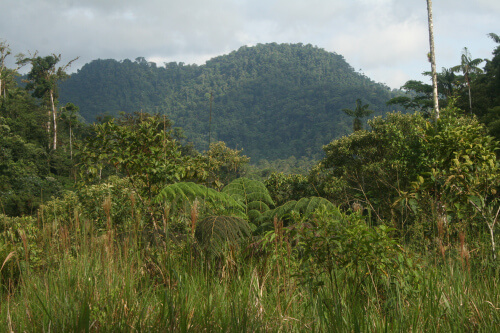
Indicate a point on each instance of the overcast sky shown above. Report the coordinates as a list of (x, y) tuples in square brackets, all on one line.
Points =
[(385, 39)]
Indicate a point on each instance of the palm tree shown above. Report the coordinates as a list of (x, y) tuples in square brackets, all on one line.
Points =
[(447, 81), (468, 67), (359, 112), (495, 37)]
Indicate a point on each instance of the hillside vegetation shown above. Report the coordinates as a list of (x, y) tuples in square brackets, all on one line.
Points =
[(272, 100), (119, 226)]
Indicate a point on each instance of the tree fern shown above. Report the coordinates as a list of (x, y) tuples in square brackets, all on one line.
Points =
[(305, 207), (214, 232), (182, 196), (252, 194)]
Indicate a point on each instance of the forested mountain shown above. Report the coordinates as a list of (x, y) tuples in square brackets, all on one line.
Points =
[(273, 100)]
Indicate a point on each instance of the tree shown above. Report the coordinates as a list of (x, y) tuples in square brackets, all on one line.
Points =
[(462, 174), (42, 80), (69, 113), (418, 97), (447, 82), (138, 146), (359, 112), (4, 53), (373, 167), (6, 74), (468, 67), (224, 164), (432, 58)]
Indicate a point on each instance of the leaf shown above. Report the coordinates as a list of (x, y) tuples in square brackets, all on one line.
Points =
[(305, 207), (251, 194), (214, 232), (188, 192), (413, 205), (476, 200)]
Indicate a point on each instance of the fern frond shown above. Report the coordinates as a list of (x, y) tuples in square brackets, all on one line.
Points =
[(247, 190), (305, 207), (252, 194), (213, 233), (185, 193), (258, 206)]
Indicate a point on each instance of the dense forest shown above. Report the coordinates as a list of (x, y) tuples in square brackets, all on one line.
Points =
[(123, 225), (272, 100)]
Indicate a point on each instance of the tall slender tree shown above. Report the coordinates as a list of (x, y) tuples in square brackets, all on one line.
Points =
[(4, 53), (468, 67), (42, 80), (432, 58), (69, 114), (6, 74)]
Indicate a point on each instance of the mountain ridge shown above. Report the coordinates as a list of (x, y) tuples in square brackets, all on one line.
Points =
[(273, 100)]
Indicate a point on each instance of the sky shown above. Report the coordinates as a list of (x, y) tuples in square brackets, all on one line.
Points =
[(387, 40)]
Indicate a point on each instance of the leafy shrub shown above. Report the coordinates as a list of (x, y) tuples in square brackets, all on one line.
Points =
[(18, 246), (333, 241), (284, 188), (115, 200)]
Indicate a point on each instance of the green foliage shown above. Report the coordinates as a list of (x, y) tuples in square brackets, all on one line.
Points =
[(372, 168), (284, 188), (182, 196), (42, 81), (469, 67), (292, 165), (272, 100), (359, 112), (214, 233), (418, 97), (476, 90), (291, 210), (224, 164), (30, 173), (18, 248), (139, 146), (333, 241), (25, 177), (252, 194), (409, 170), (115, 201), (82, 264), (461, 173)]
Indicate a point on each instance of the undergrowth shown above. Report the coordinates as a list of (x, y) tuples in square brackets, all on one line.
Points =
[(326, 272)]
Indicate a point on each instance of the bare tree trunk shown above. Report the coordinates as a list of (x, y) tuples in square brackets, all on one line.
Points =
[(49, 125), (54, 119), (470, 97), (433, 58), (70, 142)]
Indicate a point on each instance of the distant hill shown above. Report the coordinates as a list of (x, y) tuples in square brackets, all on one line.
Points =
[(273, 100)]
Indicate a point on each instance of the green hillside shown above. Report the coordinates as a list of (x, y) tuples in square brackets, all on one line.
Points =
[(272, 100)]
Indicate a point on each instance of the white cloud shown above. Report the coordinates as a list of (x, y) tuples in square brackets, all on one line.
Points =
[(385, 38)]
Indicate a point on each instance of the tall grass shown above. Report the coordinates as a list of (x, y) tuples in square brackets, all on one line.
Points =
[(85, 280)]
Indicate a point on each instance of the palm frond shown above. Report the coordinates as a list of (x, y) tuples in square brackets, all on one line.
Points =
[(495, 37)]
